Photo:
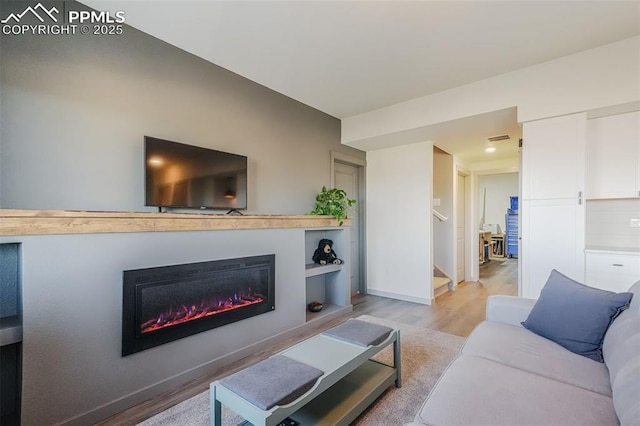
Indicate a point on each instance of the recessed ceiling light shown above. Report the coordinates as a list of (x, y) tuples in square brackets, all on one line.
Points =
[(490, 149)]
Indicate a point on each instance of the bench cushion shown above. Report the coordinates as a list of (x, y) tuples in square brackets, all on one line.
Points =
[(278, 380), (360, 332)]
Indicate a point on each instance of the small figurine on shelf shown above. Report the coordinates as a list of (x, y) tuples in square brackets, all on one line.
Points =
[(324, 254)]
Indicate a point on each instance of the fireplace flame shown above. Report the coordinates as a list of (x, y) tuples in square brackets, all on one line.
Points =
[(183, 313)]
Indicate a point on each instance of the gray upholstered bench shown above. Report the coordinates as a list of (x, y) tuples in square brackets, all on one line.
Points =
[(293, 382)]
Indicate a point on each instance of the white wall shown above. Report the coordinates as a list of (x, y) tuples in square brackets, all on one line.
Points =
[(399, 222), (499, 188), (595, 78)]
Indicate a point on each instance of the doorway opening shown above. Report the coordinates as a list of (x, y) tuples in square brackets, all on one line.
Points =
[(498, 235)]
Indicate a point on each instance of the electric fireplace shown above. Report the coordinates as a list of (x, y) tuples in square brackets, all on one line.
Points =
[(167, 303)]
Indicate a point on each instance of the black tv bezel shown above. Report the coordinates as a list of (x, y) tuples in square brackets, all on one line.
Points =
[(147, 203)]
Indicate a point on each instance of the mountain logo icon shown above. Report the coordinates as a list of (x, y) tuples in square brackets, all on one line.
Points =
[(34, 11)]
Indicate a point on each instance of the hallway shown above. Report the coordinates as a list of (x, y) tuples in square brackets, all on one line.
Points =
[(501, 272)]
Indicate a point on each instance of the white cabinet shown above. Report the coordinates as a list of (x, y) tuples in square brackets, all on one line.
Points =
[(552, 238), (613, 271), (553, 158), (613, 156), (552, 207)]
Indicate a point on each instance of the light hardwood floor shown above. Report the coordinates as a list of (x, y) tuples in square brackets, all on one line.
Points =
[(455, 312)]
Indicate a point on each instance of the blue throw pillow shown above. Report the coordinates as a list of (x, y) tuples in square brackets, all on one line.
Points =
[(574, 315)]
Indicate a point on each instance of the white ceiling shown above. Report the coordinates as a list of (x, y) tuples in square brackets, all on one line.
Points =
[(349, 57)]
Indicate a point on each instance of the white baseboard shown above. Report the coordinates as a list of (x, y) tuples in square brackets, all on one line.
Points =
[(398, 296)]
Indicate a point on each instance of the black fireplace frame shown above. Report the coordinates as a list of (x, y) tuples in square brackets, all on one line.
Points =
[(133, 280)]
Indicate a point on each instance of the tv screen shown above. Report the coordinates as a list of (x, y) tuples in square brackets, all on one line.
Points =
[(187, 176)]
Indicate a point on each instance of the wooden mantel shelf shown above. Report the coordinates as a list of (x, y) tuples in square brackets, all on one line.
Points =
[(50, 222)]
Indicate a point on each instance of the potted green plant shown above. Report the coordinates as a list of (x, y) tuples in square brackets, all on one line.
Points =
[(333, 202)]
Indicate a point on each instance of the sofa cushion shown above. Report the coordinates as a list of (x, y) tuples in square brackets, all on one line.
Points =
[(519, 348), (626, 393), (574, 315), (478, 391), (621, 351), (628, 338), (615, 347)]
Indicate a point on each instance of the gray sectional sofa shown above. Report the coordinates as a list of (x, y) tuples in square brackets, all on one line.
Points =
[(507, 375)]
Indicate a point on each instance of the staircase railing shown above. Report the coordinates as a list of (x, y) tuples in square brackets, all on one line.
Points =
[(439, 216)]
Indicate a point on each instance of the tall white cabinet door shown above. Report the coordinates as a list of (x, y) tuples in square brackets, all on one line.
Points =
[(552, 238), (552, 207), (613, 156), (553, 157)]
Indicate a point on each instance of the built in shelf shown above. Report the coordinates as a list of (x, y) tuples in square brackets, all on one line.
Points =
[(313, 269), (350, 396), (10, 330)]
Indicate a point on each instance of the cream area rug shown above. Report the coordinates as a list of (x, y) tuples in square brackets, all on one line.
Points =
[(425, 355)]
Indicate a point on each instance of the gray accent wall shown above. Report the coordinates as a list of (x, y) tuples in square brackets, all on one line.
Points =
[(73, 371), (74, 110), (73, 113)]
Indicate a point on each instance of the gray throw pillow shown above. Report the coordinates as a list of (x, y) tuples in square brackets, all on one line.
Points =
[(574, 315)]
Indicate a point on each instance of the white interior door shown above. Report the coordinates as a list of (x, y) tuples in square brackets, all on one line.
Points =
[(346, 177), (460, 229)]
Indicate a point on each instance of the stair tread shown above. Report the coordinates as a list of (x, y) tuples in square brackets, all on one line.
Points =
[(440, 282)]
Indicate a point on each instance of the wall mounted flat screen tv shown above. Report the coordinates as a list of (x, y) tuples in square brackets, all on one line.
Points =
[(186, 176)]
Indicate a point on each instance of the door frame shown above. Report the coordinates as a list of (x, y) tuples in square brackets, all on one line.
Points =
[(361, 165), (468, 222)]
